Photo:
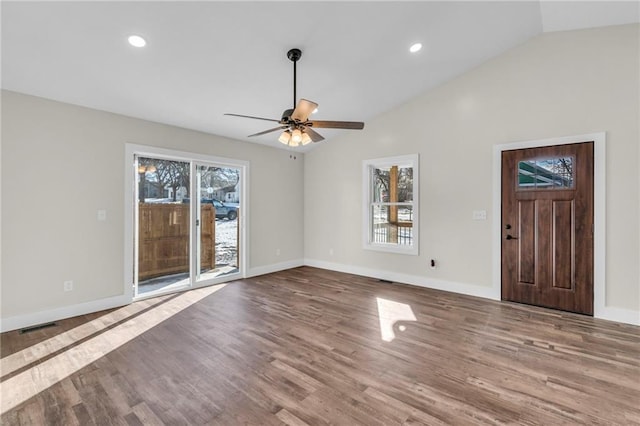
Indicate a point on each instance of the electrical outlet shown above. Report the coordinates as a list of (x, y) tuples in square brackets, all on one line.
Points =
[(102, 215), (68, 285), (330, 252), (277, 252)]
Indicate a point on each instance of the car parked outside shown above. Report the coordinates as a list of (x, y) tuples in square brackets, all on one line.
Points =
[(222, 210)]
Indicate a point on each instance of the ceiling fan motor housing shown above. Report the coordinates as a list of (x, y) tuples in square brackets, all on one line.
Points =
[(286, 115)]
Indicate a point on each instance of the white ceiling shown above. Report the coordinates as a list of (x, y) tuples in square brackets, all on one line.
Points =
[(207, 58)]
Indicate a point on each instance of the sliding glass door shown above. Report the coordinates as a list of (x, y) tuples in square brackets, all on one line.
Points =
[(218, 220), (187, 223), (164, 229)]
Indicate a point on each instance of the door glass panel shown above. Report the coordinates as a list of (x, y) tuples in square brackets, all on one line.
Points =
[(218, 230), (163, 224), (546, 173)]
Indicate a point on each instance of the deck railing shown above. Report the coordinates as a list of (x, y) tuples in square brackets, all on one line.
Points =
[(400, 233)]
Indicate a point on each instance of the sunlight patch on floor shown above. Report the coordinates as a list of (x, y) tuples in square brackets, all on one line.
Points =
[(29, 383), (389, 313), (34, 353)]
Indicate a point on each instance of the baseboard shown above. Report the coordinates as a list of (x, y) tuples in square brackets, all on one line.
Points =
[(57, 314), (276, 267), (28, 320), (451, 286), (610, 313)]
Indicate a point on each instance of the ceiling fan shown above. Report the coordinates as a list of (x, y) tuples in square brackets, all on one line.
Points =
[(297, 128)]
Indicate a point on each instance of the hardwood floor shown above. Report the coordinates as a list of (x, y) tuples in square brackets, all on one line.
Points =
[(309, 346)]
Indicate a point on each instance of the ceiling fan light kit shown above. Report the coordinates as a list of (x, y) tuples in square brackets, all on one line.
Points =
[(295, 123), (285, 137), (295, 138)]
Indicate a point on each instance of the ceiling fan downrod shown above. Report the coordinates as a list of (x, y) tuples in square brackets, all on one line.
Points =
[(294, 55)]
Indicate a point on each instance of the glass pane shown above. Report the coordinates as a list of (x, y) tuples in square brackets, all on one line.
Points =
[(405, 213), (548, 173), (219, 196), (163, 224), (392, 224), (392, 184)]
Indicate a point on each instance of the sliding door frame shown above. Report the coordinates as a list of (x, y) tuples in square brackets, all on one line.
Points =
[(130, 212)]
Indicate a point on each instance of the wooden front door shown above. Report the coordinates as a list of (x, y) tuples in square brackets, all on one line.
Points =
[(547, 226)]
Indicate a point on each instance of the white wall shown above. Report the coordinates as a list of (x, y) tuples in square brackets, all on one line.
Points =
[(61, 163), (558, 84)]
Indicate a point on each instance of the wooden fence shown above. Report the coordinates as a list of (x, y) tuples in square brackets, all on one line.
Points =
[(163, 244)]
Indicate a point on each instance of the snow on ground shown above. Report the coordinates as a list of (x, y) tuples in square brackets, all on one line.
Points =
[(226, 242)]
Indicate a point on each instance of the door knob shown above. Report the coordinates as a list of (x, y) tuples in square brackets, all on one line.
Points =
[(507, 226), (510, 237)]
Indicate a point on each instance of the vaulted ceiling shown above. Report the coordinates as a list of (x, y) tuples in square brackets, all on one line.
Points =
[(203, 59)]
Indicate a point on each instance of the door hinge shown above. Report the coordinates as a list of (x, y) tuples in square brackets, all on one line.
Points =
[(197, 222)]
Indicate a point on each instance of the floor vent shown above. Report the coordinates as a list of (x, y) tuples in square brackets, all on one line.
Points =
[(37, 327), (385, 281)]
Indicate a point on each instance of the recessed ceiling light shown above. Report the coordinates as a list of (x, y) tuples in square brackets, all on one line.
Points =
[(137, 41), (415, 47)]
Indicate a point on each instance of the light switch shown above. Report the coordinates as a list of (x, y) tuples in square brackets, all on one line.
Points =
[(102, 215), (479, 215)]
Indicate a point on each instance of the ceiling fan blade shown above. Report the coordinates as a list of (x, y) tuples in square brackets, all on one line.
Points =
[(315, 136), (303, 110), (268, 131), (250, 116), (355, 125)]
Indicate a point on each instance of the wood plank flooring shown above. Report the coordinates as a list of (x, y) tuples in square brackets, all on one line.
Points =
[(313, 347)]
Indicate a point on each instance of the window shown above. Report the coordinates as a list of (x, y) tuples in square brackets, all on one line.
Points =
[(390, 188), (547, 173)]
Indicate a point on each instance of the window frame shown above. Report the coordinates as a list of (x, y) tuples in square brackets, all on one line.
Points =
[(410, 160)]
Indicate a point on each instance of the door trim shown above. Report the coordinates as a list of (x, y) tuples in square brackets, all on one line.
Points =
[(129, 193), (600, 309)]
